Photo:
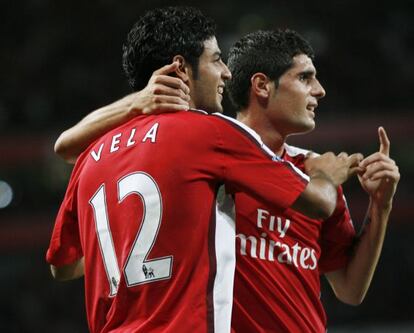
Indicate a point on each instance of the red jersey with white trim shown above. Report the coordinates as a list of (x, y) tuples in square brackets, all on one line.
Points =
[(280, 255), (141, 208)]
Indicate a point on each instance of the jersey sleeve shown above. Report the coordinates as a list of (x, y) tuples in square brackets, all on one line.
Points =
[(337, 237), (65, 247), (250, 167)]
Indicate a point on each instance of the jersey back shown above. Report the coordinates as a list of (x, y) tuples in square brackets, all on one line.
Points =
[(141, 208)]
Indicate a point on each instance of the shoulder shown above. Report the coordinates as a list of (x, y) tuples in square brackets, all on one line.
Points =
[(293, 151), (242, 132)]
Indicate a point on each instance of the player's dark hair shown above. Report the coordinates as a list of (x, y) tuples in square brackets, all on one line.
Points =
[(159, 35), (269, 52)]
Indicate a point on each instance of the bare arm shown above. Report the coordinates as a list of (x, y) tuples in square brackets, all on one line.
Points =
[(76, 139), (163, 93), (326, 173), (380, 180), (68, 272)]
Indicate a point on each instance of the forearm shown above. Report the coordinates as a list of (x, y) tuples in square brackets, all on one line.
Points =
[(72, 142), (351, 283), (68, 272), (319, 198), (163, 93)]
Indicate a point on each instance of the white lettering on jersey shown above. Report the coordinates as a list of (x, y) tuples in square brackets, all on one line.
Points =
[(118, 141), (138, 269), (130, 141), (115, 143), (262, 254), (282, 226), (97, 156), (243, 245), (151, 134), (296, 255), (264, 248)]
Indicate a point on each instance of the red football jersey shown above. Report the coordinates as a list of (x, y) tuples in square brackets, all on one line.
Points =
[(141, 207), (280, 255)]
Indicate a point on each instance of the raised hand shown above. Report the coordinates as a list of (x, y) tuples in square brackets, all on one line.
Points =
[(381, 175), (163, 93)]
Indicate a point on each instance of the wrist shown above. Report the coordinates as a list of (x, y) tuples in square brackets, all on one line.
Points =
[(380, 207), (319, 174), (132, 101)]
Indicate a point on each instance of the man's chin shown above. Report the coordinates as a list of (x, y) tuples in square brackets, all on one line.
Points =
[(310, 128), (304, 128)]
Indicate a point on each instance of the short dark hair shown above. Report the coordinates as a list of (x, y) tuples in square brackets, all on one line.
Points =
[(159, 35), (270, 52)]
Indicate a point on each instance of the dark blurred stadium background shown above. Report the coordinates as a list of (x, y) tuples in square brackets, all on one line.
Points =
[(62, 59)]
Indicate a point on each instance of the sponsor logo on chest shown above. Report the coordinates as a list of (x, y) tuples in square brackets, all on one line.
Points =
[(277, 248)]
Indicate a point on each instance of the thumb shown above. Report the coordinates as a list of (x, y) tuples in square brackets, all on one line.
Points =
[(167, 69), (384, 141)]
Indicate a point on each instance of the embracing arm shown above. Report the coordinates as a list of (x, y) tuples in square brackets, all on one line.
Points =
[(76, 139), (326, 173), (68, 272), (162, 94), (380, 180)]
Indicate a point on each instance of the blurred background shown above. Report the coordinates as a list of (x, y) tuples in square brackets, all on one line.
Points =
[(61, 60)]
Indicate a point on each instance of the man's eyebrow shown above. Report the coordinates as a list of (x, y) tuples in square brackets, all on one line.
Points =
[(308, 72)]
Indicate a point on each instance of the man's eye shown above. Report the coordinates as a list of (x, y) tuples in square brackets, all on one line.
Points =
[(305, 77)]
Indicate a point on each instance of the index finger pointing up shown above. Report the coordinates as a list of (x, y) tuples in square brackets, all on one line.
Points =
[(384, 141)]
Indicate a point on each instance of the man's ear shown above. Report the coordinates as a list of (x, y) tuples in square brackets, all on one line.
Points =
[(260, 85), (183, 70)]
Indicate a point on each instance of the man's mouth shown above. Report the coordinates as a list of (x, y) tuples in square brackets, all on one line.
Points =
[(311, 107)]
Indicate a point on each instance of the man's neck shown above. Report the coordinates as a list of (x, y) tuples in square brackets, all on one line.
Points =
[(268, 133)]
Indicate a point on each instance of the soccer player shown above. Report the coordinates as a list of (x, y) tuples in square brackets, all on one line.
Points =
[(281, 253), (139, 219)]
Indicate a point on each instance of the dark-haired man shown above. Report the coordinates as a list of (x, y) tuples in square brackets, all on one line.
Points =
[(275, 90), (139, 218)]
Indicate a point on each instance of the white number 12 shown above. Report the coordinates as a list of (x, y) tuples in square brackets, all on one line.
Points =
[(138, 269)]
